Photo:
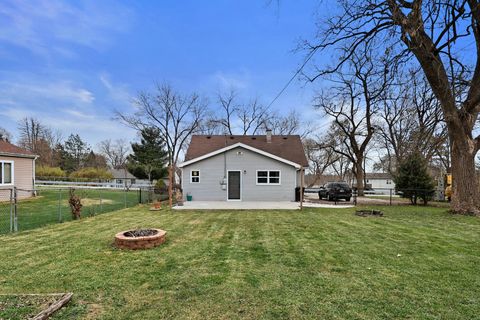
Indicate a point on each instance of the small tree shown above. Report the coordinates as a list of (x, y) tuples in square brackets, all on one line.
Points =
[(149, 157), (413, 179)]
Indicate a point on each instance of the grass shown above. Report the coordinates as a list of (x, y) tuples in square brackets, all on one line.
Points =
[(416, 262), (51, 206)]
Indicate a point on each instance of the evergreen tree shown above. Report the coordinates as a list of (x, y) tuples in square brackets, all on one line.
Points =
[(413, 180), (149, 156), (76, 153)]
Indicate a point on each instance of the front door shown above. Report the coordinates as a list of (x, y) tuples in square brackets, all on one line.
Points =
[(234, 185)]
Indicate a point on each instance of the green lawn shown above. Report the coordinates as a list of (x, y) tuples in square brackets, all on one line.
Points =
[(415, 263), (51, 206)]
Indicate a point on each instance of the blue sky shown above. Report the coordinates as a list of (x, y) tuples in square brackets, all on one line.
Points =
[(70, 64)]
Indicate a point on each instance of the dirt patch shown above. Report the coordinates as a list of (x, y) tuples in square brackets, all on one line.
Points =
[(90, 202)]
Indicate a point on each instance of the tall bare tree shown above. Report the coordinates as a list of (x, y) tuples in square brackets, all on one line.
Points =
[(352, 103), (39, 139), (435, 33), (176, 116), (410, 122)]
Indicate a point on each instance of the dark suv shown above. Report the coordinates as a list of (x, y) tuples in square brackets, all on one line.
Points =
[(335, 191)]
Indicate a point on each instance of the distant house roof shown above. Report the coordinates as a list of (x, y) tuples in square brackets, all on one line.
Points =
[(378, 175), (287, 147), (8, 149), (121, 174)]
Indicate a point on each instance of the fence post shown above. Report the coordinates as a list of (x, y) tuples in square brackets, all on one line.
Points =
[(60, 218), (125, 196), (390, 196), (11, 210), (101, 202), (15, 218)]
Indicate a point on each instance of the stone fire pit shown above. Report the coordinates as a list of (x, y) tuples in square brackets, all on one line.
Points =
[(140, 239)]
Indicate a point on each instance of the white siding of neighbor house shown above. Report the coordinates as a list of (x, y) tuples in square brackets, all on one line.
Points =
[(381, 183), (248, 162)]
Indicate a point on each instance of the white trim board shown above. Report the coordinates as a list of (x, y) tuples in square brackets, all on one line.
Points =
[(239, 145)]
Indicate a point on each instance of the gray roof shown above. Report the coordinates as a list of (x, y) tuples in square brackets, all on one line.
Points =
[(122, 174)]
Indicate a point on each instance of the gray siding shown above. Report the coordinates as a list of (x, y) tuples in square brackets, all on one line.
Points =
[(212, 172)]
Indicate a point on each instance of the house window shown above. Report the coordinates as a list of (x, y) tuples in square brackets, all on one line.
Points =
[(6, 172), (195, 176), (268, 177), (389, 182)]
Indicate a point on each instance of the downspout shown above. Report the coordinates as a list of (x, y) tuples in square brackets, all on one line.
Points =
[(225, 163), (33, 175)]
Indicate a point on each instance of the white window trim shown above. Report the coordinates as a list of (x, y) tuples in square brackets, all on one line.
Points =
[(268, 178), (2, 162), (199, 176), (241, 185)]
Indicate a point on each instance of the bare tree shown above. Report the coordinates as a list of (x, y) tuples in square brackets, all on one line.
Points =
[(115, 152), (411, 121), (5, 135), (31, 133), (352, 103), (236, 117), (320, 156), (175, 115), (291, 123), (39, 139), (429, 31)]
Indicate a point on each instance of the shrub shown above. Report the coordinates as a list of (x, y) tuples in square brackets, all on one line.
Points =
[(413, 180), (46, 171), (92, 173), (75, 204)]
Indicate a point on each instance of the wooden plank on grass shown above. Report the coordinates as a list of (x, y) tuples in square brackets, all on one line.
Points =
[(45, 314)]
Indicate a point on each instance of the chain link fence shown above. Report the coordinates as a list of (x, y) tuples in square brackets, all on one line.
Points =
[(385, 197), (22, 209)]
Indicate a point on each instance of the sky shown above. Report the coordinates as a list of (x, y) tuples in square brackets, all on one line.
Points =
[(71, 64)]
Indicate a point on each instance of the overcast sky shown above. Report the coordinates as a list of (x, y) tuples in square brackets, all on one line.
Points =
[(70, 64)]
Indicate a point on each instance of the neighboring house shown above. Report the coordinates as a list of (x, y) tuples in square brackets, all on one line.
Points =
[(122, 177), (243, 168), (17, 169), (379, 182)]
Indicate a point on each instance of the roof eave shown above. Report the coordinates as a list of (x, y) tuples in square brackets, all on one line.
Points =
[(18, 155)]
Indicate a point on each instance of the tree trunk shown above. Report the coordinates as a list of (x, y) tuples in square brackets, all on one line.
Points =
[(170, 186), (359, 177), (465, 199)]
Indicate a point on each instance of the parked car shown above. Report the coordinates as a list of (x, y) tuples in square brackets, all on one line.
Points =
[(335, 191)]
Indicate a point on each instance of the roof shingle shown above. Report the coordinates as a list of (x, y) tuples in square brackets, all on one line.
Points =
[(288, 147)]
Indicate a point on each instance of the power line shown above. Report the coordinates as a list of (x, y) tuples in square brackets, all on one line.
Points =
[(310, 55)]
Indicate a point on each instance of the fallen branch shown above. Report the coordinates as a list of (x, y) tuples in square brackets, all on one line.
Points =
[(45, 314)]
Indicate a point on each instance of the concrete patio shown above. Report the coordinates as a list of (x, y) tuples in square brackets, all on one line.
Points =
[(238, 205), (252, 205)]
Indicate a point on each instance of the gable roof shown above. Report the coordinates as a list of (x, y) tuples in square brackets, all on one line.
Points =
[(8, 149), (121, 174), (288, 148)]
